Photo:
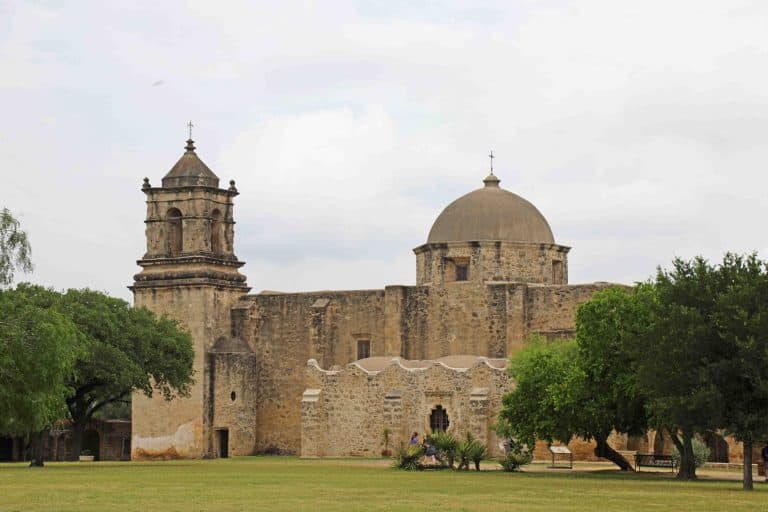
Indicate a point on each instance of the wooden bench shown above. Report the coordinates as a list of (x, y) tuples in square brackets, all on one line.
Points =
[(651, 460)]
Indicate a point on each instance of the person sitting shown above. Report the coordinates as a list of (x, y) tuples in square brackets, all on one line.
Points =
[(430, 452)]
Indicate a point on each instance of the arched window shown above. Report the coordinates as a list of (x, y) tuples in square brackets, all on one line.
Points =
[(217, 232), (438, 420), (175, 232)]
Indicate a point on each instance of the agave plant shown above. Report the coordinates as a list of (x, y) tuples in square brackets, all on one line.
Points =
[(407, 457), (517, 455), (446, 446), (471, 450), (478, 453)]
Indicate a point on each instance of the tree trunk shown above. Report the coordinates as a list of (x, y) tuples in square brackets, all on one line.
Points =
[(687, 469), (36, 440), (747, 445), (78, 427), (604, 450)]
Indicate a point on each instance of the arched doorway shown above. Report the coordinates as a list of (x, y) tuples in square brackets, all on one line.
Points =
[(638, 443), (718, 447), (438, 419), (91, 443), (662, 443)]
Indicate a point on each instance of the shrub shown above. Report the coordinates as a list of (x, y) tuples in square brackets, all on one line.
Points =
[(516, 456), (445, 445), (407, 457), (701, 453), (470, 450)]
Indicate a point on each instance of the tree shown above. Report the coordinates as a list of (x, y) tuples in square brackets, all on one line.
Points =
[(15, 250), (603, 392), (38, 349), (676, 356), (125, 350), (740, 318), (534, 409), (584, 387)]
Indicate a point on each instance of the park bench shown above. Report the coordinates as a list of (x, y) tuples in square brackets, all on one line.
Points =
[(651, 460)]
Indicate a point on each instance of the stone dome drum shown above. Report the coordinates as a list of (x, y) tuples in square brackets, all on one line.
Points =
[(491, 213)]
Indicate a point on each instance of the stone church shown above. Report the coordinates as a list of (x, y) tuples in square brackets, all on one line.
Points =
[(324, 373)]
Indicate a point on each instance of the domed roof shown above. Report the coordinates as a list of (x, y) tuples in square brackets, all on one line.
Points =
[(190, 171), (491, 213)]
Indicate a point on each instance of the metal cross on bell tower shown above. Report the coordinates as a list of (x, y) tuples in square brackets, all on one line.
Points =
[(190, 126)]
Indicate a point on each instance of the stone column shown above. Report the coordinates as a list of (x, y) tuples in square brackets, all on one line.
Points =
[(312, 424)]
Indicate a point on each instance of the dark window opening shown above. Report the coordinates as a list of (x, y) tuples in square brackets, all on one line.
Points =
[(223, 443), (125, 448), (175, 232), (217, 232), (557, 272), (363, 349), (462, 272), (438, 420), (233, 396)]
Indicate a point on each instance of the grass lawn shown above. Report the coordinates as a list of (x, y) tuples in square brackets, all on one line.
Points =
[(285, 483)]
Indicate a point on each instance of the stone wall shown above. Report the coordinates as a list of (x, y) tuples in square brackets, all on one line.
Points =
[(181, 427), (344, 412), (414, 322), (284, 331), (551, 310), (492, 261), (233, 400)]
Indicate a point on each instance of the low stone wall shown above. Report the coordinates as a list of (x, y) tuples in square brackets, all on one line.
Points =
[(344, 412)]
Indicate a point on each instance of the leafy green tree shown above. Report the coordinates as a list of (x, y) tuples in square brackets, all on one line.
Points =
[(584, 387), (740, 319), (125, 350), (536, 408), (38, 349), (15, 250), (676, 357), (602, 393)]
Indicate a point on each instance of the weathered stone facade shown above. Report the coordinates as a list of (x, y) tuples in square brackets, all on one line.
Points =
[(489, 277), (344, 412)]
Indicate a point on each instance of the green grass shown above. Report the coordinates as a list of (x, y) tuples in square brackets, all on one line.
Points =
[(283, 483)]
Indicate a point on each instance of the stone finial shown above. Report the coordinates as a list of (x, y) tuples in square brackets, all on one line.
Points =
[(190, 147), (232, 187), (146, 185)]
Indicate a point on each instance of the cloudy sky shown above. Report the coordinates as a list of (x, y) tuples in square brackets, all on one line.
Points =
[(639, 129)]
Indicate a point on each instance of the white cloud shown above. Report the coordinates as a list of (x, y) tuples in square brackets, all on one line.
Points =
[(637, 129)]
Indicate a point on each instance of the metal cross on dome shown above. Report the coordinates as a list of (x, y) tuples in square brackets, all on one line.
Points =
[(190, 126), (491, 157)]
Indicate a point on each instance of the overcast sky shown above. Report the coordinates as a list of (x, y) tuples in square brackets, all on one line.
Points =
[(639, 129)]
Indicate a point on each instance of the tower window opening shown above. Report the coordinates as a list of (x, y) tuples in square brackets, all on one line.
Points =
[(217, 232), (456, 269), (363, 349), (557, 272), (175, 231), (438, 419)]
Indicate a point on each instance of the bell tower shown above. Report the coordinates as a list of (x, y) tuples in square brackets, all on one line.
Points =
[(190, 273)]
